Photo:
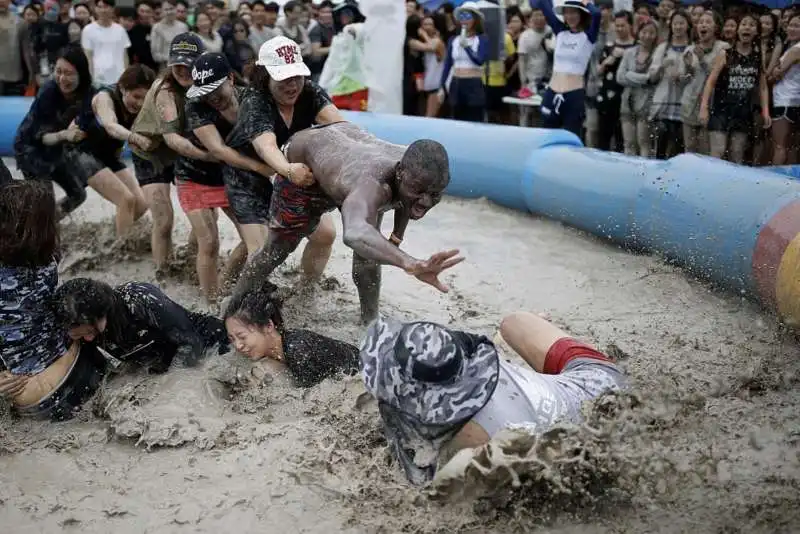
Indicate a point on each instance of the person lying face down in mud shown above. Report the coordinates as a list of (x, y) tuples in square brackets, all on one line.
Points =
[(136, 322), (256, 329), (364, 177), (438, 387)]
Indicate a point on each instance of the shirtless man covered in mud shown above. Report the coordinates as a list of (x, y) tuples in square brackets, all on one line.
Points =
[(364, 177)]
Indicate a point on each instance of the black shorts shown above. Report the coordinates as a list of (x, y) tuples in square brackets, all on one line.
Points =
[(85, 164), (249, 195), (148, 173), (789, 113), (79, 386), (494, 97), (732, 120)]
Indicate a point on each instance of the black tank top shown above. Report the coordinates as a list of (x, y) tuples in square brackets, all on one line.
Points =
[(738, 80), (97, 141)]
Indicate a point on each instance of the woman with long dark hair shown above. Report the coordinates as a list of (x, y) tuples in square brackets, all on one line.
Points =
[(737, 81), (97, 160), (42, 372), (633, 75), (283, 100), (786, 93), (162, 121), (50, 125), (665, 72)]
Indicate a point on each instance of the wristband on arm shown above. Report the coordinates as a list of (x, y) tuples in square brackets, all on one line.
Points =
[(394, 239)]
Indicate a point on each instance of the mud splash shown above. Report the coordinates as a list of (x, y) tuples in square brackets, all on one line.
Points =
[(708, 441)]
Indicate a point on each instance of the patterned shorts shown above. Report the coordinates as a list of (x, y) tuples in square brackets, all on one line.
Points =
[(249, 194), (295, 211)]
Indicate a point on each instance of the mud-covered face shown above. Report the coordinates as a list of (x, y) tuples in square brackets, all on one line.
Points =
[(418, 195), (748, 30), (222, 98), (286, 92), (134, 99), (88, 331), (66, 76), (254, 342), (183, 75)]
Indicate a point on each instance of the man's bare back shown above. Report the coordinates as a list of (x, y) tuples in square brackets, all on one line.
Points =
[(341, 156)]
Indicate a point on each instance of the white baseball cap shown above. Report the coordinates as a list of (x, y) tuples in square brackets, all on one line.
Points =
[(282, 58)]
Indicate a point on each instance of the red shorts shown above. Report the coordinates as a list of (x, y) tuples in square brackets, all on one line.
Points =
[(353, 101), (194, 196), (567, 349)]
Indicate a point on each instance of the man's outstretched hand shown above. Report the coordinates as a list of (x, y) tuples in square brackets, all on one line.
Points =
[(428, 270)]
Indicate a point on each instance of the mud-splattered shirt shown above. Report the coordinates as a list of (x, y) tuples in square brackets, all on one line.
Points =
[(30, 337), (49, 113), (311, 358), (148, 326), (259, 114), (199, 114), (97, 141)]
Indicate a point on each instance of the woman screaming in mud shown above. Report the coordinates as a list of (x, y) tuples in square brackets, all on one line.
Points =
[(136, 322), (49, 126), (255, 328), (44, 374), (162, 121), (439, 387), (96, 160)]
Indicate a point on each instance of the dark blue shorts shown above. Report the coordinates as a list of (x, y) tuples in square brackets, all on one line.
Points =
[(564, 110)]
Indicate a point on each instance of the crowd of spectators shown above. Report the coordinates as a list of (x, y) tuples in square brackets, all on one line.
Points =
[(662, 79)]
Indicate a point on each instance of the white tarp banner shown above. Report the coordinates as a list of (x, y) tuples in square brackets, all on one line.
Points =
[(384, 35)]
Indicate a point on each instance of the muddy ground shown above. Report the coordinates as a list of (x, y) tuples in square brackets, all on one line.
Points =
[(708, 441)]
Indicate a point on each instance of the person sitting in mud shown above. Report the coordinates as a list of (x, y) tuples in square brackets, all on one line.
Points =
[(255, 327), (136, 322), (97, 159), (42, 372), (363, 176), (436, 386)]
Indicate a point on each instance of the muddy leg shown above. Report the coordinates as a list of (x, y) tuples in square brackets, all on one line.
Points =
[(278, 247), (367, 277)]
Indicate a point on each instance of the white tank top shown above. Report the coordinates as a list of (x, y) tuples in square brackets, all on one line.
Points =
[(460, 58), (572, 53), (786, 93), (433, 72)]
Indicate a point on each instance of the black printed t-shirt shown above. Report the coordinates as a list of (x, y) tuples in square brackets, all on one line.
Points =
[(97, 141), (199, 114), (311, 358), (259, 114), (737, 84)]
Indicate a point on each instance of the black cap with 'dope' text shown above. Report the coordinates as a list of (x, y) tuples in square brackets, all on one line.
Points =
[(209, 72)]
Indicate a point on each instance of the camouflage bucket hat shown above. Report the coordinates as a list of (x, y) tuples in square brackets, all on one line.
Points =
[(429, 382)]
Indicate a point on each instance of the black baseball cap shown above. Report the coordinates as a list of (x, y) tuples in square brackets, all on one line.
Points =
[(209, 71), (185, 49)]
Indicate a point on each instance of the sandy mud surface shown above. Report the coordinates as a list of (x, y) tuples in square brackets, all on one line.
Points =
[(708, 441)]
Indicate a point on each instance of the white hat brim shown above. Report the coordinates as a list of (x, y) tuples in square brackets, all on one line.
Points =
[(283, 72), (203, 90)]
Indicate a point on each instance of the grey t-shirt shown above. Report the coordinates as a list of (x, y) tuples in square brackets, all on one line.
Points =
[(260, 36), (537, 401)]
